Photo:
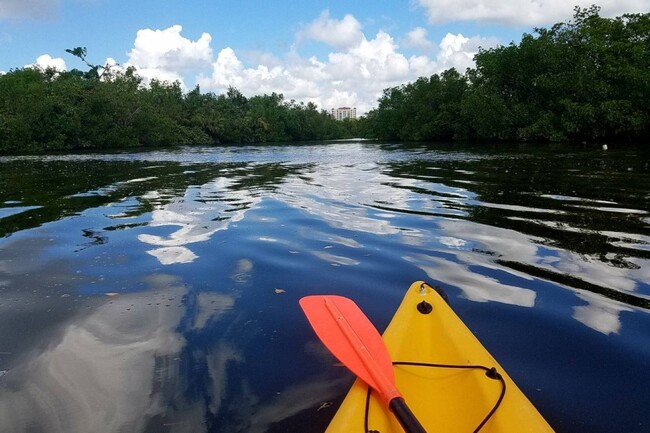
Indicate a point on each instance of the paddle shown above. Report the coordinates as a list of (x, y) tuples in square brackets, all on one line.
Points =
[(353, 340)]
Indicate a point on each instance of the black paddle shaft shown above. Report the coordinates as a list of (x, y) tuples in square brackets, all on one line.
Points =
[(408, 421)]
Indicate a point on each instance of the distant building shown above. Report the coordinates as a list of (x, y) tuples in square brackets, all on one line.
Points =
[(342, 113)]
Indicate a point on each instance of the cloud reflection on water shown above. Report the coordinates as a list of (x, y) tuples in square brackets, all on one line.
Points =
[(345, 195), (124, 367), (98, 376), (362, 197), (190, 364), (474, 286), (601, 314), (200, 213)]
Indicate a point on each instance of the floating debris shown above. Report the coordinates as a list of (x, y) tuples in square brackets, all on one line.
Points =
[(324, 405), (111, 293), (278, 291)]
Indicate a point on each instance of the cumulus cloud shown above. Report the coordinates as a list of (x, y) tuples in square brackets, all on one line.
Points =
[(228, 70), (354, 77), (417, 38), (46, 61), (354, 73), (31, 9), (521, 12), (457, 51), (375, 59), (343, 33), (167, 55)]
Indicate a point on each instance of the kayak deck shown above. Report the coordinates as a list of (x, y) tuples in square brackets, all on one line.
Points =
[(448, 379)]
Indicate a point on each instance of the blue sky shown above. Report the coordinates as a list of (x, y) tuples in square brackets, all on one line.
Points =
[(332, 53)]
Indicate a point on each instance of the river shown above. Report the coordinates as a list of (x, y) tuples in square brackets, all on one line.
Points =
[(157, 291)]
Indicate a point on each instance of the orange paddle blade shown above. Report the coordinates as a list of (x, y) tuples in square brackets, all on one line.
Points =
[(353, 340)]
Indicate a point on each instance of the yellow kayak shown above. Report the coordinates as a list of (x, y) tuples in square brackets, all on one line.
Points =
[(448, 379)]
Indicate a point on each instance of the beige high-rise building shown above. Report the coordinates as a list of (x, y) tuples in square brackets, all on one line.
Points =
[(344, 113)]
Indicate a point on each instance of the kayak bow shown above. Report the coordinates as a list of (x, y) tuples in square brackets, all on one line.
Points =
[(450, 381), (349, 335)]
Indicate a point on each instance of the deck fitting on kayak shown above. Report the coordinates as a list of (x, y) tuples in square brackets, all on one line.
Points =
[(492, 373), (424, 307)]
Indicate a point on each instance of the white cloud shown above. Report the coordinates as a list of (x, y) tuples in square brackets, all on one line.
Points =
[(343, 33), (355, 76), (168, 56), (112, 65), (32, 9), (289, 79), (46, 61), (354, 73), (521, 12), (375, 59), (457, 51), (417, 38)]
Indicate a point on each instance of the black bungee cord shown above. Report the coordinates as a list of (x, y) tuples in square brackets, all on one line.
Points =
[(490, 372)]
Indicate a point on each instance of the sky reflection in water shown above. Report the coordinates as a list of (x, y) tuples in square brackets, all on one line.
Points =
[(158, 291)]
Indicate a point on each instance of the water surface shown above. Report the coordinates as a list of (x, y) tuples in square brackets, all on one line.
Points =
[(158, 291)]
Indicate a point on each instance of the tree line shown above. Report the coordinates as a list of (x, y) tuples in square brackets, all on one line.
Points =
[(587, 79), (49, 110), (583, 80)]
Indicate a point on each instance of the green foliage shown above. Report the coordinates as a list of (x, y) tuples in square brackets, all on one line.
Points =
[(428, 109), (46, 110), (584, 80), (587, 79)]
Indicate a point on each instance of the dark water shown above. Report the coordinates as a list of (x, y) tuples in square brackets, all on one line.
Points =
[(157, 292)]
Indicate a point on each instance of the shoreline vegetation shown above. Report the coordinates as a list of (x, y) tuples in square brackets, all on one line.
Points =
[(584, 80)]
